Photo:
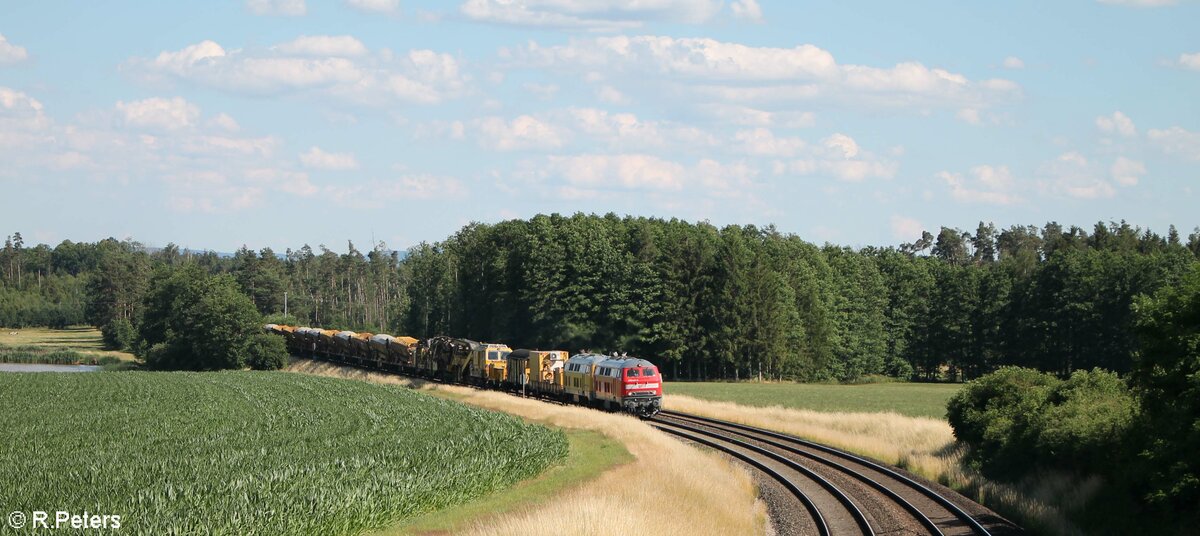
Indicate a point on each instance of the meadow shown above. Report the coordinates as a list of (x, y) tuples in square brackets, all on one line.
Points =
[(252, 453), (82, 339), (911, 399)]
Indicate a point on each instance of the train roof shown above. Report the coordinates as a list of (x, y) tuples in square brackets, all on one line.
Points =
[(625, 362), (586, 358)]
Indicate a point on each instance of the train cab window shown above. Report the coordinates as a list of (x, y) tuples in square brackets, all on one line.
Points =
[(648, 372), (632, 373)]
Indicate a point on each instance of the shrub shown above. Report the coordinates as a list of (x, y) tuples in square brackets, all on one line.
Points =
[(118, 334), (1085, 421), (997, 414), (266, 352), (1019, 420)]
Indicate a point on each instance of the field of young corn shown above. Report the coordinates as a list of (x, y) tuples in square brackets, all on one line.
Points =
[(251, 452)]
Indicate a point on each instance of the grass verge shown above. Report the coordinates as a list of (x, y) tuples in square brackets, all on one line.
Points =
[(590, 454), (667, 487)]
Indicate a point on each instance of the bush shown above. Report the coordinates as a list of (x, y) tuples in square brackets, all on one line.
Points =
[(1085, 421), (202, 323), (997, 414), (266, 352), (118, 334)]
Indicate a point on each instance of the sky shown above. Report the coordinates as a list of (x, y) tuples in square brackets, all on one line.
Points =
[(279, 123)]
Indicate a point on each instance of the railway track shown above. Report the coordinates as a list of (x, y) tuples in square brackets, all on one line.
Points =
[(839, 493), (867, 497)]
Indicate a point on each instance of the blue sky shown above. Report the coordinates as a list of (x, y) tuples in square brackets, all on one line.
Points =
[(284, 122)]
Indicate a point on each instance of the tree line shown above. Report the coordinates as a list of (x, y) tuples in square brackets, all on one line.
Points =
[(704, 302), (1140, 432)]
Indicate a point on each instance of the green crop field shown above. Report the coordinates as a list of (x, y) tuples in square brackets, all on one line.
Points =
[(251, 452), (913, 399)]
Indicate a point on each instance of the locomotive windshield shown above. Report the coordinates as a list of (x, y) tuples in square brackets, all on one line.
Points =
[(633, 373)]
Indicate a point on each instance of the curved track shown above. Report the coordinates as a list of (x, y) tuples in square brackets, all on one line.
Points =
[(841, 493), (894, 502)]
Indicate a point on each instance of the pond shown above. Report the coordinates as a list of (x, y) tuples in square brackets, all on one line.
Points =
[(31, 367)]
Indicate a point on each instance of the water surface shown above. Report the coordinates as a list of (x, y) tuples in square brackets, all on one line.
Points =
[(34, 367)]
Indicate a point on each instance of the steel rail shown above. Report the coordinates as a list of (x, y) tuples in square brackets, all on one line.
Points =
[(818, 519), (919, 487), (859, 518)]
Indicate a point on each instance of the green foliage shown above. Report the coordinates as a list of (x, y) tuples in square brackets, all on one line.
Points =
[(208, 325), (266, 352), (1166, 377), (1019, 420), (253, 453), (704, 302), (118, 334), (998, 415)]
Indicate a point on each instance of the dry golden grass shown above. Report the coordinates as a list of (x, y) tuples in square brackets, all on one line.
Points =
[(669, 488), (922, 445)]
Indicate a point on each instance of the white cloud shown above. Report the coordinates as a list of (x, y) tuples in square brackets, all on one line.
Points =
[(1013, 62), (1187, 61), (743, 74), (198, 162), (1177, 141), (763, 142), (840, 157), (623, 171), (905, 228), (10, 53), (747, 10), (625, 131), (23, 121), (599, 176), (522, 133), (375, 6), (225, 122), (159, 113), (843, 144), (753, 117), (611, 95), (324, 45), (1140, 3), (1072, 175), (1117, 123), (315, 158), (969, 115), (407, 187), (288, 8), (1127, 172), (595, 15), (542, 91), (987, 184), (339, 67)]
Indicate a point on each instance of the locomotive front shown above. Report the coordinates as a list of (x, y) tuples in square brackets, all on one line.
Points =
[(641, 389)]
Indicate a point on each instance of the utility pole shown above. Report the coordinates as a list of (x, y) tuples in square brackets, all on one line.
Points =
[(285, 303)]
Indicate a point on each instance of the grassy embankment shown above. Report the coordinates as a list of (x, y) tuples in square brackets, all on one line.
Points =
[(899, 423), (78, 345), (666, 488), (233, 452)]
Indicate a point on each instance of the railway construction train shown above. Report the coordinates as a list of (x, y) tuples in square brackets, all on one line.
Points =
[(611, 382)]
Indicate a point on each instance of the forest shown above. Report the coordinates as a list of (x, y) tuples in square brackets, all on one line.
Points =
[(704, 302)]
